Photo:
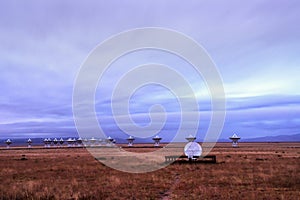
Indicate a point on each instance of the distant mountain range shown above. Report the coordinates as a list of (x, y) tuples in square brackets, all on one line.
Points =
[(278, 138)]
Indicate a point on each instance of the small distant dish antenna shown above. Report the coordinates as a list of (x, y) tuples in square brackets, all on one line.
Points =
[(93, 141), (109, 141), (79, 142), (85, 142), (130, 140), (190, 138), (61, 142), (46, 142), (29, 142), (70, 142), (192, 149), (235, 140), (8, 142), (156, 140), (55, 142), (49, 142)]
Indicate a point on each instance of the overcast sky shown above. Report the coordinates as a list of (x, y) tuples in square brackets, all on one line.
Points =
[(254, 44)]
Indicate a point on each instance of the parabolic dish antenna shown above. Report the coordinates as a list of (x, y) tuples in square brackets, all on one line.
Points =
[(192, 149)]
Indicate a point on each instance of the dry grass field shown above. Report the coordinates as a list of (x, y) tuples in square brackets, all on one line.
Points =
[(252, 171)]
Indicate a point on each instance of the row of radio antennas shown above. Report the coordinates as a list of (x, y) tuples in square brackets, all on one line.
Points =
[(72, 142), (157, 140), (59, 142)]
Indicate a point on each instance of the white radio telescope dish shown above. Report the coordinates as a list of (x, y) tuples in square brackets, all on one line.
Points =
[(192, 149)]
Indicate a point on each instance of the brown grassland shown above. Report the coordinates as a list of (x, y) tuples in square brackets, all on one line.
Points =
[(252, 171)]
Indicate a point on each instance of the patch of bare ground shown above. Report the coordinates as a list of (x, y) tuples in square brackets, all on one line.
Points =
[(166, 195), (253, 171)]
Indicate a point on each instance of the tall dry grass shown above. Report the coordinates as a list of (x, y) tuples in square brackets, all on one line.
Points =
[(253, 171)]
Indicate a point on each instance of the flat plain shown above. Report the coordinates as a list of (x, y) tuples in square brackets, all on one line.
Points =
[(252, 171)]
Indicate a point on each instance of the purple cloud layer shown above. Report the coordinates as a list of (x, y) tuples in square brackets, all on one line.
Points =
[(255, 45)]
